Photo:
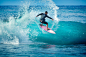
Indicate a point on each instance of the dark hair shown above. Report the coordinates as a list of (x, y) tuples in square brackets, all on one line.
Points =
[(46, 12)]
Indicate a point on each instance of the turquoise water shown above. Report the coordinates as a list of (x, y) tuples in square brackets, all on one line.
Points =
[(42, 50), (67, 33), (21, 35)]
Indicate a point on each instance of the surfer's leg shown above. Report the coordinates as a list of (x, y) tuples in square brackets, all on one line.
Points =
[(46, 24)]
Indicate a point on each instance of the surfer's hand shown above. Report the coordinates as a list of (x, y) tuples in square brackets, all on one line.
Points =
[(52, 19), (36, 16), (40, 20)]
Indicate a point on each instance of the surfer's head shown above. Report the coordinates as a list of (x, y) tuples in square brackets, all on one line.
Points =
[(46, 12)]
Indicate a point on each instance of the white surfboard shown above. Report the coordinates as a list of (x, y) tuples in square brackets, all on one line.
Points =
[(45, 28)]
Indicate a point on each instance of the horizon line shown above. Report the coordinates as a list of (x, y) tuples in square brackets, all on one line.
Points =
[(42, 5)]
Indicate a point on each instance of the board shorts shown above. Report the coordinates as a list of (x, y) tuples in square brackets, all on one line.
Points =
[(43, 22)]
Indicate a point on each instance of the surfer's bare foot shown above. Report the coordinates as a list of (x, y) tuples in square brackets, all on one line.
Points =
[(48, 29)]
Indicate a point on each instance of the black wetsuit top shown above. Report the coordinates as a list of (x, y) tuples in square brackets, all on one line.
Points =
[(43, 16)]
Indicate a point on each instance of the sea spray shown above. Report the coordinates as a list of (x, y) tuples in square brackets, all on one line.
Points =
[(22, 26), (11, 33), (30, 12)]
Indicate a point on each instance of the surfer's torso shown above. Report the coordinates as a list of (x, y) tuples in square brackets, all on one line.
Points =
[(43, 16)]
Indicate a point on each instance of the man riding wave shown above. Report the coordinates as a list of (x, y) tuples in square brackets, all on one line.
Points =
[(43, 16)]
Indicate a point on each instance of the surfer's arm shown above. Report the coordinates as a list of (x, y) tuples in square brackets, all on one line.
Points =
[(50, 18), (39, 14)]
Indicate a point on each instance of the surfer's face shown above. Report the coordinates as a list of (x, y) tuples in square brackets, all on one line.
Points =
[(46, 13)]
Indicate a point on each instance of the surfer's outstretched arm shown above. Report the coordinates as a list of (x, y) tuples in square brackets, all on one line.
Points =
[(50, 17), (39, 14)]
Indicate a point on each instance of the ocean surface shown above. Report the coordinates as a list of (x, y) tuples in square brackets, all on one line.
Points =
[(21, 35)]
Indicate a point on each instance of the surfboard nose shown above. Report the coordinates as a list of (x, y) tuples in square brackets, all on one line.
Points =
[(51, 31)]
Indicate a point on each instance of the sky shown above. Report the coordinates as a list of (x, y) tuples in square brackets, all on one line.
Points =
[(57, 2)]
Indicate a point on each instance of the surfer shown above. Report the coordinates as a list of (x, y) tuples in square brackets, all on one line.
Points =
[(43, 16)]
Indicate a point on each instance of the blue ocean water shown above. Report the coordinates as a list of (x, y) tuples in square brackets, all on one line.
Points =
[(21, 35)]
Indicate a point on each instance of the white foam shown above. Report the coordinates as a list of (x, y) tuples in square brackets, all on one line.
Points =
[(16, 31)]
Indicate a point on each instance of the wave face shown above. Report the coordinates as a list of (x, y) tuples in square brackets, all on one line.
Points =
[(66, 33), (19, 24)]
